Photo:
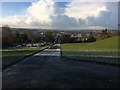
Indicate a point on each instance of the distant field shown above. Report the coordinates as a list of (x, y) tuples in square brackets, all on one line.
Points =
[(106, 44), (12, 55)]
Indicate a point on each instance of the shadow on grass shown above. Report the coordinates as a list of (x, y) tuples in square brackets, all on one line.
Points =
[(100, 57), (11, 57)]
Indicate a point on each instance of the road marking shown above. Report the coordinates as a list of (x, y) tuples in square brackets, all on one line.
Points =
[(49, 52)]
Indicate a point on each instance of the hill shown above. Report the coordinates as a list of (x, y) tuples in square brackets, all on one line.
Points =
[(108, 44)]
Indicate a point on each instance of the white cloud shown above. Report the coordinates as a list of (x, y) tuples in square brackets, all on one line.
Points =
[(76, 15), (66, 22), (102, 20), (42, 10), (83, 9), (106, 19), (104, 15), (23, 21), (39, 14)]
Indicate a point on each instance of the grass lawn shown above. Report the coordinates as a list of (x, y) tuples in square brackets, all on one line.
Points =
[(109, 44), (103, 48), (12, 55), (105, 51)]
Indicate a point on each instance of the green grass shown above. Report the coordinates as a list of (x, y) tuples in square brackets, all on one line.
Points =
[(103, 51), (103, 48), (108, 44), (12, 55)]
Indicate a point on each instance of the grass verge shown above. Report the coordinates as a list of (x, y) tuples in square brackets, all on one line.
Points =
[(11, 56), (103, 51)]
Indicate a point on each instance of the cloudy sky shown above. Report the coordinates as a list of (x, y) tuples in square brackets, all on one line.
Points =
[(60, 15)]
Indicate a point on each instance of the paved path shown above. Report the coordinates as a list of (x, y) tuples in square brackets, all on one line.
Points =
[(47, 69)]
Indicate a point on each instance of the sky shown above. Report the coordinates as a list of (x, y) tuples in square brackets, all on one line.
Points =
[(14, 8), (60, 15)]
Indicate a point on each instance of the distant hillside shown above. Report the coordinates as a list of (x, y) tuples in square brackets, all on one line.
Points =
[(106, 44)]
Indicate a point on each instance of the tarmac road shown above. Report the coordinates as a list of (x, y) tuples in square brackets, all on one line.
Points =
[(47, 69)]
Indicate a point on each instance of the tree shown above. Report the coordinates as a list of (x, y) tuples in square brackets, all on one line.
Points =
[(65, 38), (91, 37), (38, 38), (49, 37), (30, 36), (23, 38), (106, 34), (18, 41), (7, 36)]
